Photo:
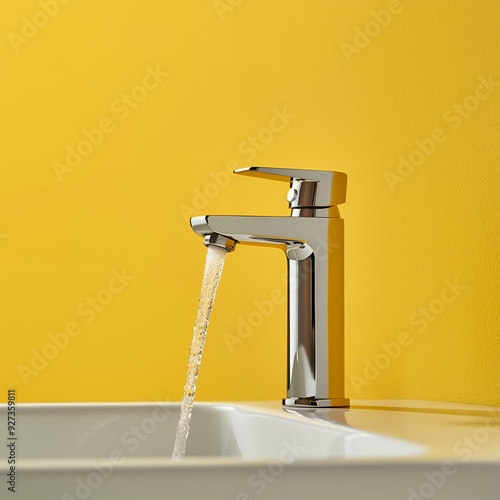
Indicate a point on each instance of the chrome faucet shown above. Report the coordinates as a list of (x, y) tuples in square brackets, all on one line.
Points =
[(313, 241)]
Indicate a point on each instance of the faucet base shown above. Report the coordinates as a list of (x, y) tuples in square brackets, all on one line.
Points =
[(316, 403)]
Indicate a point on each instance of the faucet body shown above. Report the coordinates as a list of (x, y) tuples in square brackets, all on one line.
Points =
[(314, 247)]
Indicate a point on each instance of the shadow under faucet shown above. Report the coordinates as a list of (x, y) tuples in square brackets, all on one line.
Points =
[(313, 241)]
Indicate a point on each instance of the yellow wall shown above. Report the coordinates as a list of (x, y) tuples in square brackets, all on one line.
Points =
[(421, 236)]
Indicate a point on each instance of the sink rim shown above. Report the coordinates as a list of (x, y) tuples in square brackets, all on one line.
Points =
[(427, 456)]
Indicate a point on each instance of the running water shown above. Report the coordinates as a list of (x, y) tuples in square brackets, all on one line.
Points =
[(213, 270)]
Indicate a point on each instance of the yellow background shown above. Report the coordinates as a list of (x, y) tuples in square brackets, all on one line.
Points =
[(125, 205)]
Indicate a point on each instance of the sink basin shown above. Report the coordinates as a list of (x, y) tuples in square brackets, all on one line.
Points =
[(386, 450)]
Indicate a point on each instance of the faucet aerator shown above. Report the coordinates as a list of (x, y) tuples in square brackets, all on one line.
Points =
[(220, 241)]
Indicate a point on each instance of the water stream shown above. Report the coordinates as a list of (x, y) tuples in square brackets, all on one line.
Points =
[(213, 270)]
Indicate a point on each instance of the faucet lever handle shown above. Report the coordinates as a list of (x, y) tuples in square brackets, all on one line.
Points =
[(308, 188)]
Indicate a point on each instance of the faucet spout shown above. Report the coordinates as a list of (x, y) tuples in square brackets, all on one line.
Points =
[(282, 232)]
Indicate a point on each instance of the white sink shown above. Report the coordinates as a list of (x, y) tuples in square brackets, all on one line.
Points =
[(246, 451)]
